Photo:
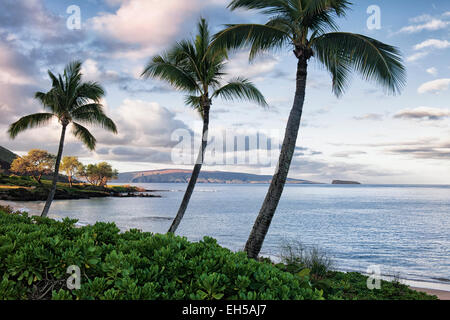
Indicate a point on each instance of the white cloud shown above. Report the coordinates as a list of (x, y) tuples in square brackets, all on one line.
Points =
[(11, 68), (144, 133), (433, 71), (348, 154), (433, 43), (92, 72), (428, 45), (422, 18), (423, 113), (435, 86), (141, 124), (370, 116), (256, 70), (152, 24), (432, 25), (417, 56)]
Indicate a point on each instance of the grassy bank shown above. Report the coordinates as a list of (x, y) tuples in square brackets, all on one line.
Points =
[(17, 188), (35, 253)]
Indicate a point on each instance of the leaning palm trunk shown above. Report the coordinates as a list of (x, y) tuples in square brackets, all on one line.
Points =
[(262, 223), (51, 195), (197, 68), (195, 173)]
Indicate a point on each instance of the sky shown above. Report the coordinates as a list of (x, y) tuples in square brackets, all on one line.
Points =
[(366, 135)]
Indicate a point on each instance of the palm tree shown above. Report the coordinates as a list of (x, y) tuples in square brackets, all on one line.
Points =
[(198, 70), (308, 28), (68, 100)]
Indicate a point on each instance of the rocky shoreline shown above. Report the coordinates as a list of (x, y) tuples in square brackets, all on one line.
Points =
[(26, 194), (25, 189)]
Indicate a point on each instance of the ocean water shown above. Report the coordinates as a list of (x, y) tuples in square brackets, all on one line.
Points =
[(405, 230)]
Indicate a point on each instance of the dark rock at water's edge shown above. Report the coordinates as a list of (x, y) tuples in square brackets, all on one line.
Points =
[(41, 194), (135, 195), (344, 182)]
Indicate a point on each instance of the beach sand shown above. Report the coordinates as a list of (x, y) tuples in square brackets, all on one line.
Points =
[(442, 295)]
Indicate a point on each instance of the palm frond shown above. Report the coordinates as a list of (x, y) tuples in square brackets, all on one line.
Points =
[(161, 68), (260, 38), (241, 89), (193, 101), (318, 7), (87, 92), (49, 100), (72, 77), (31, 121), (203, 37), (342, 52), (84, 135), (264, 6), (55, 80), (93, 114)]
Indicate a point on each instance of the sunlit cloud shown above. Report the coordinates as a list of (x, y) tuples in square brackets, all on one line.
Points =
[(431, 25), (417, 56), (433, 43), (423, 113), (433, 71), (435, 86)]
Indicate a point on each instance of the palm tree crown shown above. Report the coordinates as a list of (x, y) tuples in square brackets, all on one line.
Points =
[(309, 27), (195, 68), (71, 101), (68, 100)]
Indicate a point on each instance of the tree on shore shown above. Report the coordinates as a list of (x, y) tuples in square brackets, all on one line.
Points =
[(68, 100), (35, 164), (308, 28), (198, 70), (98, 174), (70, 166)]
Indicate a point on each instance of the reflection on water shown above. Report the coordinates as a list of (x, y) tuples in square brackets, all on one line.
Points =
[(404, 229)]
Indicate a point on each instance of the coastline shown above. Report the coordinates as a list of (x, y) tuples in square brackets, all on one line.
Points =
[(440, 289), (442, 295), (14, 188)]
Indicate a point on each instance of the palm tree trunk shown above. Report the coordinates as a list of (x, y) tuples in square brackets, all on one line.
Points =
[(262, 223), (51, 195), (195, 173)]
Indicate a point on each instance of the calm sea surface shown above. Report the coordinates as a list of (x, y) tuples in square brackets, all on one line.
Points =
[(403, 229)]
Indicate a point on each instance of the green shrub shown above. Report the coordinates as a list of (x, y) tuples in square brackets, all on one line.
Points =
[(296, 257), (315, 265), (353, 286), (35, 253)]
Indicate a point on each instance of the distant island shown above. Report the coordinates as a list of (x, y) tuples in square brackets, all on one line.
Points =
[(344, 182), (183, 176)]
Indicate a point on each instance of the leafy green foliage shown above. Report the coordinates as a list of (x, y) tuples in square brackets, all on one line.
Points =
[(35, 253), (36, 164), (97, 174), (313, 265), (70, 166), (296, 257), (353, 286)]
